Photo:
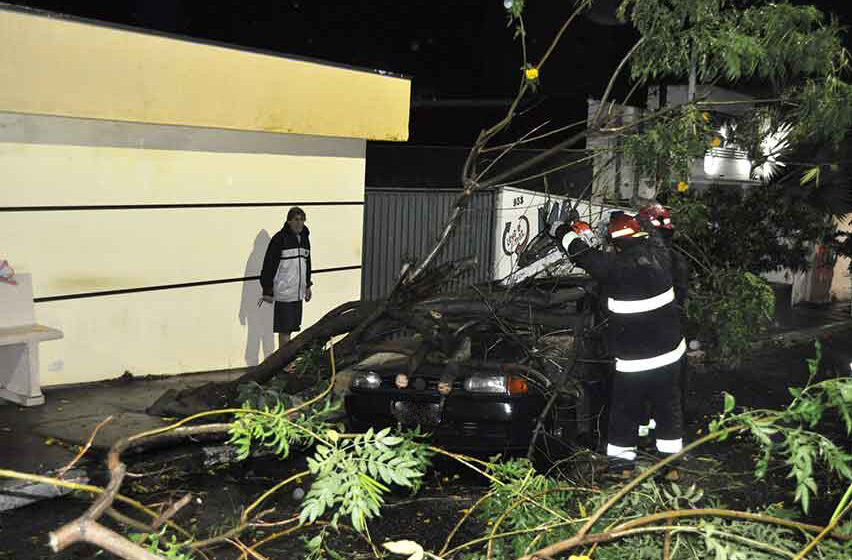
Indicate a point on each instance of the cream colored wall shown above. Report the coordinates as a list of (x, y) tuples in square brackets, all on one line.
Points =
[(80, 251), (151, 246), (74, 249), (62, 67), (168, 331)]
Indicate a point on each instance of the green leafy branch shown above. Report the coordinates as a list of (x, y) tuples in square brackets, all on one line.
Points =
[(163, 545), (790, 434), (773, 41), (731, 307), (273, 427), (665, 148), (352, 473), (633, 511), (317, 549)]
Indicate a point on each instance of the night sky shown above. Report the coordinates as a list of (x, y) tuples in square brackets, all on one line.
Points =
[(458, 49)]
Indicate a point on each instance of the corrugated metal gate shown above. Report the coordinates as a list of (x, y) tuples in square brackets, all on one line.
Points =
[(400, 224)]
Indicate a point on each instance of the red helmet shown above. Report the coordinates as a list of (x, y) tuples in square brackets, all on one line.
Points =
[(624, 226), (658, 215)]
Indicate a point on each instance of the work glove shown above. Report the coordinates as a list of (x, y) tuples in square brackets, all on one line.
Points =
[(580, 230), (565, 234)]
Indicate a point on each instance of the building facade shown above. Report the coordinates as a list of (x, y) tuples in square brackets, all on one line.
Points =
[(145, 174)]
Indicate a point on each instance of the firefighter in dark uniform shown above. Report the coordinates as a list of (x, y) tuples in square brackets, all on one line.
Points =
[(644, 332), (657, 220)]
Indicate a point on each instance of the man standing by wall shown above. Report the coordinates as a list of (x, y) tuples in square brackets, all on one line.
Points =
[(286, 274)]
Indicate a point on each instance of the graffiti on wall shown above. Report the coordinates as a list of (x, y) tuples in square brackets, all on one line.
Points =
[(516, 235)]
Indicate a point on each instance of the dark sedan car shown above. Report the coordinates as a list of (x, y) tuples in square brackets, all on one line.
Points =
[(494, 403), (486, 407)]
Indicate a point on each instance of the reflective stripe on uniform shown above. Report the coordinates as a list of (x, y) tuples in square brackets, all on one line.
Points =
[(623, 232), (669, 445), (626, 453), (569, 238), (622, 306), (644, 364)]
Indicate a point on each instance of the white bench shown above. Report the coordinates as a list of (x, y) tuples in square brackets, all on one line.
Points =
[(19, 339)]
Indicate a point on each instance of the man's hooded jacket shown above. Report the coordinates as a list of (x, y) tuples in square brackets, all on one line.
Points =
[(286, 269)]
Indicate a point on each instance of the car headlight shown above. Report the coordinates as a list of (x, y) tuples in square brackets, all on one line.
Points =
[(369, 380), (497, 385), (488, 384)]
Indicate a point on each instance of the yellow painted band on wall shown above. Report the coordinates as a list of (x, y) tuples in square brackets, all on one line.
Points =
[(59, 67)]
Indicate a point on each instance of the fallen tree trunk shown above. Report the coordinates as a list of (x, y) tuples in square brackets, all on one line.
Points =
[(457, 313), (362, 320), (336, 322), (415, 308), (340, 320)]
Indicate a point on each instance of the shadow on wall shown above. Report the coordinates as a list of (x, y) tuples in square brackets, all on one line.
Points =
[(258, 320)]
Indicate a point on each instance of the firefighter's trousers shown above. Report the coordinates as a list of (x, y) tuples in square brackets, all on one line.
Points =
[(660, 387)]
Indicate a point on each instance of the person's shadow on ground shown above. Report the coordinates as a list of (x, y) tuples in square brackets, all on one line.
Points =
[(258, 320)]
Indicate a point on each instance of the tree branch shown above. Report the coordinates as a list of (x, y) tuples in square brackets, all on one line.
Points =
[(257, 502), (727, 513), (98, 535), (539, 137), (804, 552), (596, 119), (579, 538), (85, 488), (85, 526), (85, 448), (171, 511), (583, 5)]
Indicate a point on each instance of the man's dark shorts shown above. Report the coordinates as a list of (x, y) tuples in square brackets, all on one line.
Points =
[(288, 316)]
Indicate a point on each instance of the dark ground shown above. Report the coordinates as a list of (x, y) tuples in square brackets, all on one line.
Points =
[(723, 469)]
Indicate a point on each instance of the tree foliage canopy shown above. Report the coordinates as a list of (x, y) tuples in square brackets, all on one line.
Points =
[(792, 53)]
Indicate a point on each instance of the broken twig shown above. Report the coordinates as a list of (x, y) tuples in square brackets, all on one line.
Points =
[(85, 448)]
